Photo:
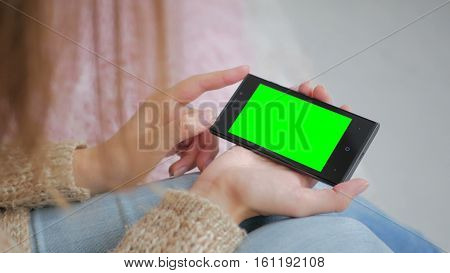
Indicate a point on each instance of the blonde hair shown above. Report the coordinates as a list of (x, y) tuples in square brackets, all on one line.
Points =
[(27, 66)]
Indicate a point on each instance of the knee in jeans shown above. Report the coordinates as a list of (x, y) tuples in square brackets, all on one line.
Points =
[(350, 226), (350, 223), (359, 234)]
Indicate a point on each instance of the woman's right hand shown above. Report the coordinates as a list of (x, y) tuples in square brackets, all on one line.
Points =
[(172, 127), (245, 184)]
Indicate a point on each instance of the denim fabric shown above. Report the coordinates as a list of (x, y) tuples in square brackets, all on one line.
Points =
[(99, 224)]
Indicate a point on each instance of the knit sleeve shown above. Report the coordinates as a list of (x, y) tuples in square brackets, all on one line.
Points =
[(39, 178), (183, 222), (14, 230)]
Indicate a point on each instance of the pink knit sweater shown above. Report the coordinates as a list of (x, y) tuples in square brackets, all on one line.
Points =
[(201, 36)]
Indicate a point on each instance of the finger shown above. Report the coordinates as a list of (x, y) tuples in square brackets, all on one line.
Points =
[(190, 123), (208, 149), (321, 94), (180, 147), (303, 180), (185, 144), (329, 200), (305, 88), (346, 108), (186, 162), (191, 88)]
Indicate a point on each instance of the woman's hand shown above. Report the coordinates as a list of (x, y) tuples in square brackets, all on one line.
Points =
[(163, 125), (245, 184)]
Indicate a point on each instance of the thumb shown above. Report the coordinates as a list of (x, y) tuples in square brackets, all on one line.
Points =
[(190, 123), (334, 199)]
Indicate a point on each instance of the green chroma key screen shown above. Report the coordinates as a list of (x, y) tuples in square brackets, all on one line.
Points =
[(291, 127)]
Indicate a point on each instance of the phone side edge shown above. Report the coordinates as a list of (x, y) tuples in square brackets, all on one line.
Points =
[(354, 165)]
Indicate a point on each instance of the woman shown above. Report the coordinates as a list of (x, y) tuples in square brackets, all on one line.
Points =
[(233, 188)]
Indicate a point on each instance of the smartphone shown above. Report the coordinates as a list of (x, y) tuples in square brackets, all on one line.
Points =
[(302, 133)]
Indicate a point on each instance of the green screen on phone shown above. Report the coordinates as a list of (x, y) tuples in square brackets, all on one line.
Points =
[(291, 127)]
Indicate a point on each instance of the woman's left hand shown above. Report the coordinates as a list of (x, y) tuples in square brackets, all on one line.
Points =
[(245, 184), (163, 125)]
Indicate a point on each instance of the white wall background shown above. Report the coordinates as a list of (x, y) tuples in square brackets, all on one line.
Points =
[(402, 82)]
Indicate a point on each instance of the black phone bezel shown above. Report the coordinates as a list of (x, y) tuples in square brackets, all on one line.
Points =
[(345, 157)]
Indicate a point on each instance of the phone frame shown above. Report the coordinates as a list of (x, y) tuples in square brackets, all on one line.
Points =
[(343, 161)]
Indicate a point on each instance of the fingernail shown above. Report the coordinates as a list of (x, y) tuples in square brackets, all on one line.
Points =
[(353, 188), (361, 187), (180, 171)]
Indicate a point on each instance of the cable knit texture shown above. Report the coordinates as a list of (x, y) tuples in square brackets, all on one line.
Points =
[(183, 222), (34, 180)]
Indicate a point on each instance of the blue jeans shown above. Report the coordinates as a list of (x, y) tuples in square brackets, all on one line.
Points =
[(99, 224)]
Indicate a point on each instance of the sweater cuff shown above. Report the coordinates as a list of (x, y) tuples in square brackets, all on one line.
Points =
[(58, 172), (183, 222), (14, 230), (38, 178)]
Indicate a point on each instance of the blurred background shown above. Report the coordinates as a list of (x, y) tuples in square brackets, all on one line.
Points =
[(402, 82)]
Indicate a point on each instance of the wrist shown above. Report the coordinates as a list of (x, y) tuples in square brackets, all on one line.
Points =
[(86, 170), (217, 193)]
